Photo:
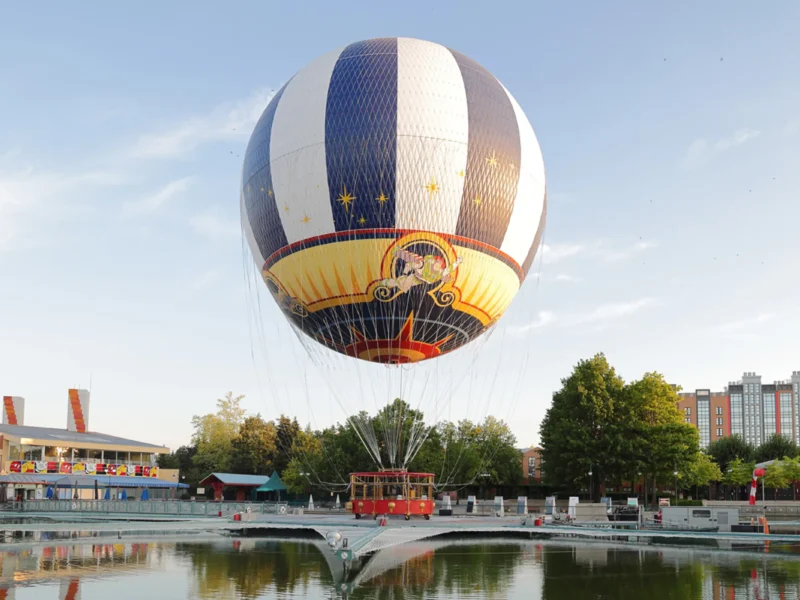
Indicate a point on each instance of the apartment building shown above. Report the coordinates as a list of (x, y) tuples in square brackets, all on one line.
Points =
[(747, 407)]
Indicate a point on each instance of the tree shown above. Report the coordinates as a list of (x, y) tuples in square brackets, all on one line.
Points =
[(701, 472), (792, 467), (739, 473), (499, 457), (659, 441), (775, 448), (581, 429), (183, 460), (214, 433), (287, 430), (254, 448), (726, 449), (776, 477), (307, 463)]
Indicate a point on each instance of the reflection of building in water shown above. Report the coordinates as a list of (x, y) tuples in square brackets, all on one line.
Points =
[(737, 577), (68, 561), (594, 556)]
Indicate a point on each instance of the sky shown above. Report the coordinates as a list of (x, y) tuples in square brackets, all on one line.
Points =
[(670, 136)]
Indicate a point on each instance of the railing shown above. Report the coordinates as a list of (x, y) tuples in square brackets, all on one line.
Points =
[(147, 507)]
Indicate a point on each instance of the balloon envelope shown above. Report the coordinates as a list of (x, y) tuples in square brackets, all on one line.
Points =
[(393, 197)]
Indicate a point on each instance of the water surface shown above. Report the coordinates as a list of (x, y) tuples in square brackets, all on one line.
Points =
[(469, 569)]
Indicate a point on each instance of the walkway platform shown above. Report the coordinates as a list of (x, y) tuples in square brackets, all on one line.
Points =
[(364, 536)]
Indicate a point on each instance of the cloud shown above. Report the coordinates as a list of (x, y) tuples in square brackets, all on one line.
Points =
[(611, 312), (29, 198), (153, 202), (213, 227), (603, 314), (204, 280), (792, 127), (565, 278), (746, 328), (556, 252), (701, 151), (598, 250), (225, 122)]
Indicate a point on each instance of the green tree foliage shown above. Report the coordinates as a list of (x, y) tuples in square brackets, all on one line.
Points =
[(726, 449), (183, 460), (775, 448), (776, 477), (287, 430), (792, 467), (255, 447), (582, 428), (739, 472), (701, 471), (214, 434), (307, 462), (597, 421)]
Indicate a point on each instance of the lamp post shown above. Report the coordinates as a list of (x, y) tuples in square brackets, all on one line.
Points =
[(590, 484), (676, 485)]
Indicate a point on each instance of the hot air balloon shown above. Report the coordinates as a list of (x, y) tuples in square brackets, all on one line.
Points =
[(393, 198)]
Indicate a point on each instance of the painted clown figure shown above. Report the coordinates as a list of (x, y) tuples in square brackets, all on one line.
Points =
[(418, 269)]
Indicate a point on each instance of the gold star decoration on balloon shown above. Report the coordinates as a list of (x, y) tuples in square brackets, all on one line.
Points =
[(432, 187), (346, 199)]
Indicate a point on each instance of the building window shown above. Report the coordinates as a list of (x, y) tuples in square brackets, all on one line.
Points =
[(719, 431), (719, 410), (769, 415), (785, 399), (688, 420), (531, 467), (737, 423), (704, 422), (687, 411), (719, 420)]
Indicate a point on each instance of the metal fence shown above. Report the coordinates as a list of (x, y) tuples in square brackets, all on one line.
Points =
[(149, 507)]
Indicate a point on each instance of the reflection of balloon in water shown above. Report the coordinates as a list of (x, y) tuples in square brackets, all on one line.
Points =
[(393, 196)]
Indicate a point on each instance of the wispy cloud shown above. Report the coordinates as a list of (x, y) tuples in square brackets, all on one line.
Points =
[(747, 328), (701, 150), (555, 252), (598, 250), (153, 202), (204, 280), (603, 314), (611, 312), (225, 122), (213, 227), (29, 198), (565, 278)]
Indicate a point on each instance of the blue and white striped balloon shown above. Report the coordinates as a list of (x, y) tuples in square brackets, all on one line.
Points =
[(393, 195)]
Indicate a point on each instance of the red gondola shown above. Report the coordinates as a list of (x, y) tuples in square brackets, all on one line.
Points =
[(391, 493)]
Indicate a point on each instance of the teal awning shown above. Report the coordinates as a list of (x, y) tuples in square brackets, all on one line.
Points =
[(273, 484)]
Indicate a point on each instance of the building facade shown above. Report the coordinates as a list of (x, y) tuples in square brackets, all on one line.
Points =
[(531, 465), (33, 457), (749, 408)]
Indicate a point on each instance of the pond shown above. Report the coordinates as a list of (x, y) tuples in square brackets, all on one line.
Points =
[(451, 569)]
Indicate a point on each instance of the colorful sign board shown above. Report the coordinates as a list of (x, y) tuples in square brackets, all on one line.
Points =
[(80, 468)]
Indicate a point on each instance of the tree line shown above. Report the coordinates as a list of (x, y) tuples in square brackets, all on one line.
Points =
[(624, 432), (460, 454)]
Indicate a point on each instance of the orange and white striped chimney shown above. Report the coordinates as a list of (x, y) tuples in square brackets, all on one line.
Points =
[(13, 410), (78, 411)]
